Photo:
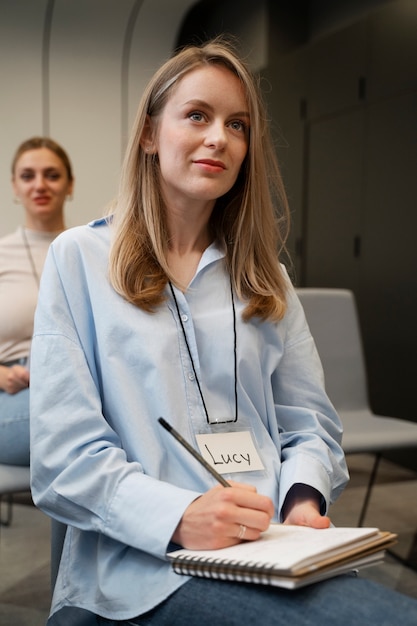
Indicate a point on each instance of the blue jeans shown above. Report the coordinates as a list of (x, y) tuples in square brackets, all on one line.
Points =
[(14, 427), (341, 601)]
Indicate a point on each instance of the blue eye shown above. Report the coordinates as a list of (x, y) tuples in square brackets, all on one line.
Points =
[(238, 125), (196, 116)]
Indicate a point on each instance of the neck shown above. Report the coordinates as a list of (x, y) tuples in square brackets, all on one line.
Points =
[(188, 233), (189, 236), (188, 225), (53, 226), (184, 245), (184, 253)]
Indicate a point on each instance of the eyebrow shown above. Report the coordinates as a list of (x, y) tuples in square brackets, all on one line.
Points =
[(51, 168), (205, 104)]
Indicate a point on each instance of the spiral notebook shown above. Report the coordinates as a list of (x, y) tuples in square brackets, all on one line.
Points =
[(288, 556)]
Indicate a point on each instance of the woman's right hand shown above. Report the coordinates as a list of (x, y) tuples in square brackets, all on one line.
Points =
[(224, 517), (14, 379)]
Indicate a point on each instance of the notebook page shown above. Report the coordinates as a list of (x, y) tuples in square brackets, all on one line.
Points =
[(283, 546)]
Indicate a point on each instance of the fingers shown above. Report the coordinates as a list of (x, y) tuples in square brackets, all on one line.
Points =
[(17, 379), (320, 521), (223, 517), (307, 515), (248, 510), (242, 532), (249, 513)]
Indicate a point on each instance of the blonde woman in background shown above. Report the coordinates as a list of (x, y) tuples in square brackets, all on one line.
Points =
[(42, 180)]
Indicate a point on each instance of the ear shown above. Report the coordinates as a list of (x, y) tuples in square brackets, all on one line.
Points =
[(147, 139)]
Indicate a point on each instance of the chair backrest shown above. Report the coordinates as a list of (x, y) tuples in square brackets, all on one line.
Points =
[(13, 479), (333, 320)]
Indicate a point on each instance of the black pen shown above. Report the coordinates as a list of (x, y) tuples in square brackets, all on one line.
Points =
[(195, 454)]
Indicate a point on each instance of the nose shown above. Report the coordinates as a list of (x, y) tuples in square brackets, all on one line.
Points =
[(216, 135), (40, 181)]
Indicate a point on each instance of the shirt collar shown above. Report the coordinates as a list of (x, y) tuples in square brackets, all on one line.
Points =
[(214, 252)]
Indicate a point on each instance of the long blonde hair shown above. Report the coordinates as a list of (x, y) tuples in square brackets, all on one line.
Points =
[(251, 220)]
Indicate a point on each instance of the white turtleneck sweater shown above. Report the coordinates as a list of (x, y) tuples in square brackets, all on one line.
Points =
[(19, 289)]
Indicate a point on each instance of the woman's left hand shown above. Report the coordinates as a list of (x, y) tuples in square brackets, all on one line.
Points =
[(302, 508), (16, 378)]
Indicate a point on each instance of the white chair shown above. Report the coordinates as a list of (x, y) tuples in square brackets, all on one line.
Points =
[(13, 479), (333, 320)]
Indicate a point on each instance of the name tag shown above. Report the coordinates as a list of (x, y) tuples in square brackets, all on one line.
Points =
[(230, 452)]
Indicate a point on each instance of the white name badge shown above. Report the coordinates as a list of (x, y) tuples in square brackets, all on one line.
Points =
[(230, 452)]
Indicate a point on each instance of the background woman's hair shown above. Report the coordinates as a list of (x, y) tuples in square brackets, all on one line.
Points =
[(251, 220), (35, 143)]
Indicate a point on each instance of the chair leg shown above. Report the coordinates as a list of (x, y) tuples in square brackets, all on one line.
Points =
[(7, 520), (369, 489)]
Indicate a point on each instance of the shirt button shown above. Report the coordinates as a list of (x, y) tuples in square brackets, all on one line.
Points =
[(184, 317), (190, 376)]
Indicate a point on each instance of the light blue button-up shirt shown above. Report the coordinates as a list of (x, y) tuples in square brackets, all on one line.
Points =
[(103, 371)]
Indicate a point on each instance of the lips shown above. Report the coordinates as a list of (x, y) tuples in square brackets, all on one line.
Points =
[(41, 200), (211, 163)]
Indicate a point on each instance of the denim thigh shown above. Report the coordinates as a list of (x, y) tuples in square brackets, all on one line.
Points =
[(14, 427), (341, 601)]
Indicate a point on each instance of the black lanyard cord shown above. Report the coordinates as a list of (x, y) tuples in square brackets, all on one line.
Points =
[(192, 360)]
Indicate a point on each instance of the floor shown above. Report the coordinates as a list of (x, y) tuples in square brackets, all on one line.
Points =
[(24, 545)]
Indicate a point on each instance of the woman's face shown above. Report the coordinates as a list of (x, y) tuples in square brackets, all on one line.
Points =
[(40, 181), (202, 137)]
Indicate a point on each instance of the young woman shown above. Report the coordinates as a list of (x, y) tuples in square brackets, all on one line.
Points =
[(176, 306), (42, 179)]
